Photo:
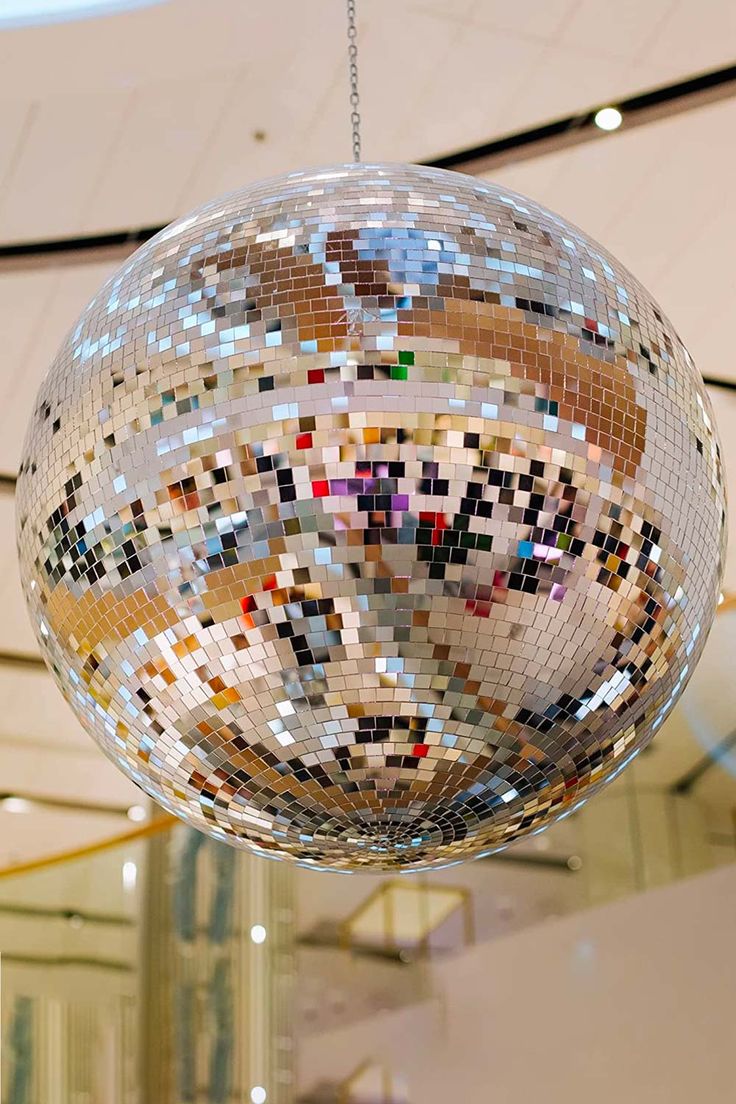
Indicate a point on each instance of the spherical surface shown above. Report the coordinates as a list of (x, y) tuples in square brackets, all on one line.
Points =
[(371, 516)]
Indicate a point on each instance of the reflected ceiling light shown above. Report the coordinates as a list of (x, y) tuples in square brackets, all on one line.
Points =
[(130, 875), (376, 516), (17, 13), (608, 118), (15, 805)]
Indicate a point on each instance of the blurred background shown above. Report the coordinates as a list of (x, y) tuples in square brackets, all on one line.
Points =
[(142, 964)]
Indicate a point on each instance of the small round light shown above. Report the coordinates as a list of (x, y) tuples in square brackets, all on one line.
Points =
[(137, 813), (585, 950), (130, 875), (574, 863), (258, 1094), (608, 118), (15, 805), (258, 933), (721, 598)]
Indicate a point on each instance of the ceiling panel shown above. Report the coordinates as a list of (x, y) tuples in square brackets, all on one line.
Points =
[(471, 89), (626, 31), (34, 711), (130, 119), (67, 147), (16, 116), (82, 774), (155, 153), (37, 308), (692, 37), (23, 297), (16, 634)]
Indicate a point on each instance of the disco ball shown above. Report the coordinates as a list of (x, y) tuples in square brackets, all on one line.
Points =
[(371, 516)]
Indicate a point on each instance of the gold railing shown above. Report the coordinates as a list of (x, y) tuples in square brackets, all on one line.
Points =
[(163, 823)]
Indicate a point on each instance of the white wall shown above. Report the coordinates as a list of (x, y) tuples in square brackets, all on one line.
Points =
[(634, 1002)]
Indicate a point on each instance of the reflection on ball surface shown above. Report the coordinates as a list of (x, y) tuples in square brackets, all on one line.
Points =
[(371, 516)]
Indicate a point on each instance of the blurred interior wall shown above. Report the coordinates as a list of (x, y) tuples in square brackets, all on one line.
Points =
[(631, 1001)]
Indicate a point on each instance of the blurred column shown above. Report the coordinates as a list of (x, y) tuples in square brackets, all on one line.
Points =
[(155, 977), (217, 968)]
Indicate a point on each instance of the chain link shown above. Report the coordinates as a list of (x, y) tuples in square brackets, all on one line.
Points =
[(353, 69)]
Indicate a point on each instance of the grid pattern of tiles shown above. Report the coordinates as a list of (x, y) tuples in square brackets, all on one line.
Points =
[(372, 516)]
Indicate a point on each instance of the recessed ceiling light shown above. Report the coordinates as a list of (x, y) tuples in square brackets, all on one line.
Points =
[(16, 13), (15, 805), (258, 933), (136, 813), (608, 118), (258, 1094)]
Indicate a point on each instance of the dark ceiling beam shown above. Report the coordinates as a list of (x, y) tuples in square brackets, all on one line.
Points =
[(82, 249), (75, 917), (72, 961), (691, 777), (724, 384), (24, 660), (573, 130)]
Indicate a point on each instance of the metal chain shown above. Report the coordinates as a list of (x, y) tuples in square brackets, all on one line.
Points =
[(353, 69)]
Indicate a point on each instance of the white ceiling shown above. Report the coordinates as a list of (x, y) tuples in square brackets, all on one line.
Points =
[(128, 120), (132, 118)]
